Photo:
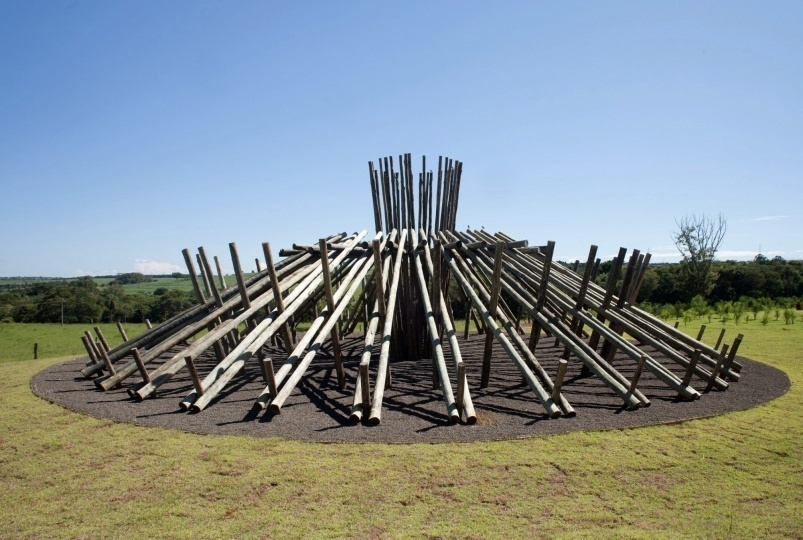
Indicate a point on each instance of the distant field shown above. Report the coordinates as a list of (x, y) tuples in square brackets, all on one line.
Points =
[(182, 284), (17, 339)]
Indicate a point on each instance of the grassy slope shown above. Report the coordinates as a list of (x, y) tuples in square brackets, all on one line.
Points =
[(738, 475)]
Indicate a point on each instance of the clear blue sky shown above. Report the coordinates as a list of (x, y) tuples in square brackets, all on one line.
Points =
[(130, 130)]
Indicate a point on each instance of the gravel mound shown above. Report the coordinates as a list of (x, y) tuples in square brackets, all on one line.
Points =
[(413, 410)]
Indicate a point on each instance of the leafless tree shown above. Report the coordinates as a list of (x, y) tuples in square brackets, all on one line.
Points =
[(698, 239)]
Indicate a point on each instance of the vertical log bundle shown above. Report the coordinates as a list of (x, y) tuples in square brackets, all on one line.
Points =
[(398, 287)]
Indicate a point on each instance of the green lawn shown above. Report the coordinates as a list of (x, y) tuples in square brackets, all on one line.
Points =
[(65, 475)]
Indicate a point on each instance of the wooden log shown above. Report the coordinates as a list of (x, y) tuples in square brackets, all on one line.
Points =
[(300, 294), (121, 330), (102, 339), (140, 365), (556, 388), (221, 278), (90, 350), (700, 333), (170, 367), (723, 355), (610, 285), (106, 361), (270, 376), (340, 302), (238, 275), (362, 390), (492, 307), (639, 370), (732, 356), (327, 282), (148, 324), (576, 324), (452, 411), (380, 289), (546, 400), (690, 369), (207, 286), (613, 379), (277, 296), (473, 275), (535, 333), (642, 273), (383, 366), (609, 349), (438, 195), (206, 272), (719, 339)]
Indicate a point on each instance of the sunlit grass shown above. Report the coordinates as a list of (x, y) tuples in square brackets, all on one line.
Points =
[(739, 475)]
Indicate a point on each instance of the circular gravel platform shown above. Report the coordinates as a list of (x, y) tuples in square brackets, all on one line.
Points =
[(413, 411)]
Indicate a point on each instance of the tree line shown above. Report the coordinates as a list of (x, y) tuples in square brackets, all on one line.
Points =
[(769, 283), (83, 301)]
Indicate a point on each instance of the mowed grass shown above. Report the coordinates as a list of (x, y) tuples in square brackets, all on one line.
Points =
[(65, 475), (17, 340)]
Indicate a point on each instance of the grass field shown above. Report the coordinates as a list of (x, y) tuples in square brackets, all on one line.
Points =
[(183, 284), (65, 475)]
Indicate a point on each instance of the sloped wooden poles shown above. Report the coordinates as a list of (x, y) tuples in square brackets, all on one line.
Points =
[(397, 285), (529, 264), (234, 362), (320, 328)]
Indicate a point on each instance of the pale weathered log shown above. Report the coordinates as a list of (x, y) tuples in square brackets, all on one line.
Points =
[(452, 410), (383, 368), (362, 390)]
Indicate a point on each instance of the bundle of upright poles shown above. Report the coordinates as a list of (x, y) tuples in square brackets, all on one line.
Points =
[(397, 285)]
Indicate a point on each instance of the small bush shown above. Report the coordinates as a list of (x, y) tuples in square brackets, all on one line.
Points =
[(765, 319), (789, 316)]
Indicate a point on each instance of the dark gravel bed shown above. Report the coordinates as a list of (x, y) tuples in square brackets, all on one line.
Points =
[(413, 411)]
